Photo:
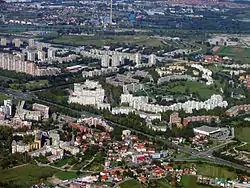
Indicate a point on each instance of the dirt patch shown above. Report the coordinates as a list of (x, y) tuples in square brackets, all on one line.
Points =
[(216, 49)]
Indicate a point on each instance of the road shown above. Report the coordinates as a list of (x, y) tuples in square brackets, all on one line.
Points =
[(206, 155)]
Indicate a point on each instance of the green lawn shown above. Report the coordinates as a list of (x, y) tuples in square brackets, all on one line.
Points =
[(108, 40), (31, 84), (3, 97), (244, 148), (191, 181), (215, 171), (209, 170), (204, 91), (63, 162), (242, 133), (131, 184), (26, 175), (65, 175), (242, 54)]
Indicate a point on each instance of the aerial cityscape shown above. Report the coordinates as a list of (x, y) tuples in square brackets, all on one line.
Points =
[(124, 93)]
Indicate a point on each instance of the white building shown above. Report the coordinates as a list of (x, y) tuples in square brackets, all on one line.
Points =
[(152, 59), (3, 41), (89, 93), (206, 130)]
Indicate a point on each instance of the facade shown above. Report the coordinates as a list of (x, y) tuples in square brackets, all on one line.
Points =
[(16, 62), (16, 42), (140, 103), (41, 108), (51, 53), (206, 130), (31, 43), (234, 111), (3, 42), (193, 119), (152, 59), (89, 93)]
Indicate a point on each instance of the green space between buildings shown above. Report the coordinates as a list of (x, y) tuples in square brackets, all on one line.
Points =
[(65, 175), (209, 170), (108, 40), (131, 184), (3, 97), (191, 181), (26, 175), (241, 54)]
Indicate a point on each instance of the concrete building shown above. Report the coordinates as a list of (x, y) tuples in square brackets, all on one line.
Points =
[(206, 130), (137, 60), (41, 55), (3, 42), (235, 110), (16, 62), (31, 43), (89, 93), (8, 106), (152, 59), (41, 108), (31, 55), (16, 42), (51, 53)]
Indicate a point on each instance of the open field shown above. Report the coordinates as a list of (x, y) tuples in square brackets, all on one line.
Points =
[(190, 181), (210, 170), (65, 175), (241, 54), (242, 133), (63, 162), (26, 175), (204, 91), (131, 184), (107, 40), (30, 85)]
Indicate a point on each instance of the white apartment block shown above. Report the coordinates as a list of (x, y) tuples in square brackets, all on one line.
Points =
[(3, 41), (141, 104), (206, 73), (16, 42), (31, 43), (89, 93), (152, 59)]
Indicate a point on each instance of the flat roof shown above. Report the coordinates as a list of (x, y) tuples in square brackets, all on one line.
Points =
[(207, 129)]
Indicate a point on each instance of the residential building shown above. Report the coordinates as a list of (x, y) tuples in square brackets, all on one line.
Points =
[(89, 93)]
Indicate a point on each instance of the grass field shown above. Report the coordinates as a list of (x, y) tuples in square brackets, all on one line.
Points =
[(242, 54), (210, 170), (3, 97), (65, 175), (26, 175), (190, 181), (242, 133), (108, 40), (204, 91), (131, 184), (30, 85), (62, 162)]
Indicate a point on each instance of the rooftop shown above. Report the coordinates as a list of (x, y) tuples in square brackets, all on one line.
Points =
[(208, 129)]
